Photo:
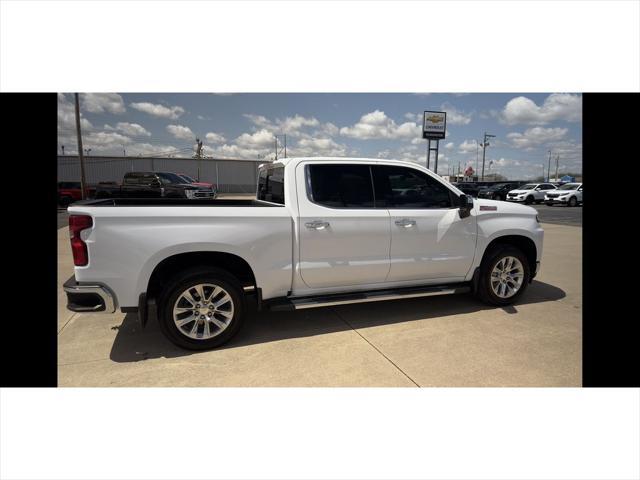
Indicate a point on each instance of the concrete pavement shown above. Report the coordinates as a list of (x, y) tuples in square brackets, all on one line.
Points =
[(440, 341)]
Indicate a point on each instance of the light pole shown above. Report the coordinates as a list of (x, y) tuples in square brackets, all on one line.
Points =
[(484, 149), (79, 135), (549, 167), (63, 150)]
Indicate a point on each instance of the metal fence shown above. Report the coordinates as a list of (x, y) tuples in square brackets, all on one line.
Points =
[(231, 176)]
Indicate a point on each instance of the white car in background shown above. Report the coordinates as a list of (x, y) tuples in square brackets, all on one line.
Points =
[(530, 193), (568, 194)]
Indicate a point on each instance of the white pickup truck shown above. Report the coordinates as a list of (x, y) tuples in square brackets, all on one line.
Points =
[(322, 231)]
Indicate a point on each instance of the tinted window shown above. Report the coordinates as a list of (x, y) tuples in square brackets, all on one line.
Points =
[(340, 186), (402, 187), (271, 184), (132, 179), (147, 178), (548, 186), (169, 178)]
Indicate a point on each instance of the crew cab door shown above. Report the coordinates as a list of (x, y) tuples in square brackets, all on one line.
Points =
[(429, 240), (343, 239)]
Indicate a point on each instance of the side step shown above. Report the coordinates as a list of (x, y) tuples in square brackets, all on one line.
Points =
[(300, 303)]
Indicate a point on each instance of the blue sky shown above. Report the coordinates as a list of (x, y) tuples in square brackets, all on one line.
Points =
[(379, 125)]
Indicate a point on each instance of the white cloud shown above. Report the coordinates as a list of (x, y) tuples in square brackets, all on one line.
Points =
[(290, 125), (67, 115), (102, 102), (295, 123), (307, 147), (156, 149), (557, 106), (376, 124), (259, 120), (468, 146), (213, 137), (455, 116), (158, 110), (133, 129), (330, 129), (260, 139), (536, 136), (104, 141), (449, 146), (181, 132)]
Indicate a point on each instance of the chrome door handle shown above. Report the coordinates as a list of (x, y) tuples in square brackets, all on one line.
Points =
[(405, 222), (317, 224)]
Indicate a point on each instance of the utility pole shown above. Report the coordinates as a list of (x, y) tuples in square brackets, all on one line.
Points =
[(82, 177), (199, 154), (476, 156), (275, 146), (549, 168), (63, 150), (557, 160), (484, 149)]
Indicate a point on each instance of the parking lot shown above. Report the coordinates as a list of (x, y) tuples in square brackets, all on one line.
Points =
[(437, 341)]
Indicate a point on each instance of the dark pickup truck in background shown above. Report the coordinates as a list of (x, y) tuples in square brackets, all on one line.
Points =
[(154, 185), (498, 191)]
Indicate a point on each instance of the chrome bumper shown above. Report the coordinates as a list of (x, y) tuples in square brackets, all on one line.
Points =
[(88, 297)]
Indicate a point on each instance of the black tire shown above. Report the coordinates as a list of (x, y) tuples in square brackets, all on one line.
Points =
[(573, 201), (549, 204), (529, 200), (491, 258), (177, 285)]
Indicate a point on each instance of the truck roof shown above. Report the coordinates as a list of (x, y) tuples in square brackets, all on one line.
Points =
[(295, 160)]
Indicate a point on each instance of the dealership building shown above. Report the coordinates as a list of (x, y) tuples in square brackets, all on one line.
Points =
[(231, 175)]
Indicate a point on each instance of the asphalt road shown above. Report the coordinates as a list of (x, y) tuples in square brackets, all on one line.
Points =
[(560, 215)]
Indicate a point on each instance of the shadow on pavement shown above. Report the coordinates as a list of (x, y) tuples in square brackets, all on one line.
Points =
[(134, 344)]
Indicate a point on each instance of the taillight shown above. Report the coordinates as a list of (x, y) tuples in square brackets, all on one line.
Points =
[(77, 223)]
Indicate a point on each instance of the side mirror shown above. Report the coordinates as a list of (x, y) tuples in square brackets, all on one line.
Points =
[(466, 204)]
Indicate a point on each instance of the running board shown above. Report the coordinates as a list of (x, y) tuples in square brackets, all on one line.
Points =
[(300, 303)]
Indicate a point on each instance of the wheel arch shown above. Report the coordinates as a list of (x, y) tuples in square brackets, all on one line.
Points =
[(231, 263), (522, 242)]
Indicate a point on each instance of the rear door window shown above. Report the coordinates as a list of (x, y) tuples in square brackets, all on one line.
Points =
[(271, 184), (403, 187), (340, 186)]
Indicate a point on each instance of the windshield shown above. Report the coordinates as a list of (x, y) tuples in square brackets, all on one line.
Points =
[(168, 178), (528, 186), (569, 186), (188, 178)]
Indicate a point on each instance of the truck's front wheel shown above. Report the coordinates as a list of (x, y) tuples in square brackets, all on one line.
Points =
[(504, 275), (201, 309)]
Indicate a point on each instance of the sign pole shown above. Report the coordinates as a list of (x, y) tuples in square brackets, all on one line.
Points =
[(434, 127), (436, 149)]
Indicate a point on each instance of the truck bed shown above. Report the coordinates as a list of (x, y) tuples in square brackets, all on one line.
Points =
[(173, 202)]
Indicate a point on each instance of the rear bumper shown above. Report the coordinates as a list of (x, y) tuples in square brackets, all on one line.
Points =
[(88, 297)]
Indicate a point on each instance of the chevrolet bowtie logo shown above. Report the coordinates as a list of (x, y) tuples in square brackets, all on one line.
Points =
[(435, 119)]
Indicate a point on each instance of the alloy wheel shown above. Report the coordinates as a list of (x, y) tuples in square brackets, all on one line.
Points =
[(507, 277), (203, 311)]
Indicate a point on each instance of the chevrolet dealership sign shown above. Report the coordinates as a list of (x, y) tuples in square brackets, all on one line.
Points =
[(434, 125)]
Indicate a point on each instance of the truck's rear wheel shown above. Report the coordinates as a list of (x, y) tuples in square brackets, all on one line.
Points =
[(201, 309), (504, 275)]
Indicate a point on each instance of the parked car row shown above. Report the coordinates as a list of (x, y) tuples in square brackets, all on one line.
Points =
[(550, 193), (140, 185)]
